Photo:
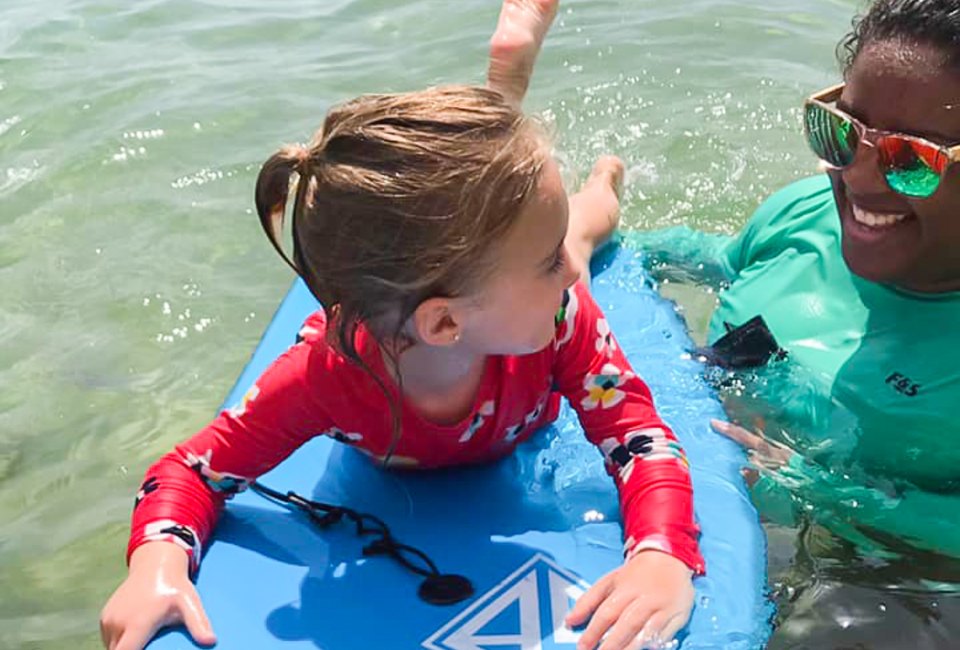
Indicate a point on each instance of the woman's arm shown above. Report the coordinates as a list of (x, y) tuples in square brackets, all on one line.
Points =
[(681, 253), (872, 516), (866, 512)]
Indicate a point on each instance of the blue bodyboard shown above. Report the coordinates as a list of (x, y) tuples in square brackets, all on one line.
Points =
[(531, 532)]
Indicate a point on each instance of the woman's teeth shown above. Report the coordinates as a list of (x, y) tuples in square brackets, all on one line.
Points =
[(876, 219)]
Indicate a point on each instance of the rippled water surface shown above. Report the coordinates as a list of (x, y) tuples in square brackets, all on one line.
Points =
[(136, 281)]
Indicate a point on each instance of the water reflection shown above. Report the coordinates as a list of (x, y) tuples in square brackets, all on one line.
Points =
[(830, 595)]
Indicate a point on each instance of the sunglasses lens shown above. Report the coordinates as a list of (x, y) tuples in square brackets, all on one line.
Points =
[(912, 167), (832, 137)]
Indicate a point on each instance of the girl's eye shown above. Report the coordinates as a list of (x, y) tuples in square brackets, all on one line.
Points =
[(558, 262)]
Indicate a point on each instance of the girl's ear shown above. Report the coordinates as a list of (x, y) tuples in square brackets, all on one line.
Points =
[(436, 322)]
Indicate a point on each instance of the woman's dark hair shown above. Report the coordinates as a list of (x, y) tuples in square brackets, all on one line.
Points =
[(926, 22)]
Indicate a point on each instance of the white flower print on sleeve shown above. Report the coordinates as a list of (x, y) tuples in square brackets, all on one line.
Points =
[(167, 530), (149, 486), (537, 411), (340, 435), (486, 410), (602, 389), (241, 408), (646, 445), (512, 433), (222, 482), (307, 333), (606, 344)]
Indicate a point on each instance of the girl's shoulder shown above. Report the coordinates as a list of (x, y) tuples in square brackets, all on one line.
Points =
[(314, 329), (316, 341), (314, 346)]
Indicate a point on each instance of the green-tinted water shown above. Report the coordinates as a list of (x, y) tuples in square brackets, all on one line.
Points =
[(135, 278)]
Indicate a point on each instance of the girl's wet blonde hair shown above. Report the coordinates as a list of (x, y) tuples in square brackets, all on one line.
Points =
[(400, 198)]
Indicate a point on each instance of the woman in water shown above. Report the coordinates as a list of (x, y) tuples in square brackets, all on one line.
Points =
[(853, 275)]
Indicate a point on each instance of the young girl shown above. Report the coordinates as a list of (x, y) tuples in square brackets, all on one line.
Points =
[(433, 228)]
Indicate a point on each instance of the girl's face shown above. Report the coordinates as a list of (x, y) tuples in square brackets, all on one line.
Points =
[(894, 86), (514, 311)]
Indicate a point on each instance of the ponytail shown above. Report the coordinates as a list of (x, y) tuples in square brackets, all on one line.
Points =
[(271, 194), (273, 190)]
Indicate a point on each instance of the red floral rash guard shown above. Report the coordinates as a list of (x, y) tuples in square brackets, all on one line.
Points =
[(312, 390)]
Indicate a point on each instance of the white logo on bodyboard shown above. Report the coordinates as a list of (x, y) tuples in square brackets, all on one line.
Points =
[(524, 611)]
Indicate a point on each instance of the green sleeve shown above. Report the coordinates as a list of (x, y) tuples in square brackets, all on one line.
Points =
[(775, 221), (682, 251), (715, 258), (865, 515)]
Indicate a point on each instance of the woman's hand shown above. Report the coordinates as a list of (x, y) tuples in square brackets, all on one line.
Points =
[(157, 592), (643, 604), (764, 454)]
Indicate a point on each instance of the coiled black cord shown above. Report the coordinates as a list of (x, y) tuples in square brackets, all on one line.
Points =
[(436, 589)]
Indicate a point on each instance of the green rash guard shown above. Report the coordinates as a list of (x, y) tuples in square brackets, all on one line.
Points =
[(866, 394)]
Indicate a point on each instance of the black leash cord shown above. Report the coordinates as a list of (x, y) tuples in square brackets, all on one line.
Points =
[(437, 588)]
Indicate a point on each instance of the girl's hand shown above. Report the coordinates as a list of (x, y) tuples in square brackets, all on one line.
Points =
[(156, 593), (643, 604)]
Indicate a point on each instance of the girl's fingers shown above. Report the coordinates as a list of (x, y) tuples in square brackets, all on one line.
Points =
[(673, 625), (588, 602), (654, 635), (601, 621), (628, 627), (195, 619)]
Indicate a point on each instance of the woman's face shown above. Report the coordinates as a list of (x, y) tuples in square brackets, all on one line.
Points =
[(889, 238)]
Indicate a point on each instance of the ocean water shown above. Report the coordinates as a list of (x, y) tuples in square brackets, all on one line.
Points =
[(136, 282)]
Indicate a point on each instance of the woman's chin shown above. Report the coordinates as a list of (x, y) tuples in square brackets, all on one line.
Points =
[(864, 268), (879, 254), (868, 265)]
